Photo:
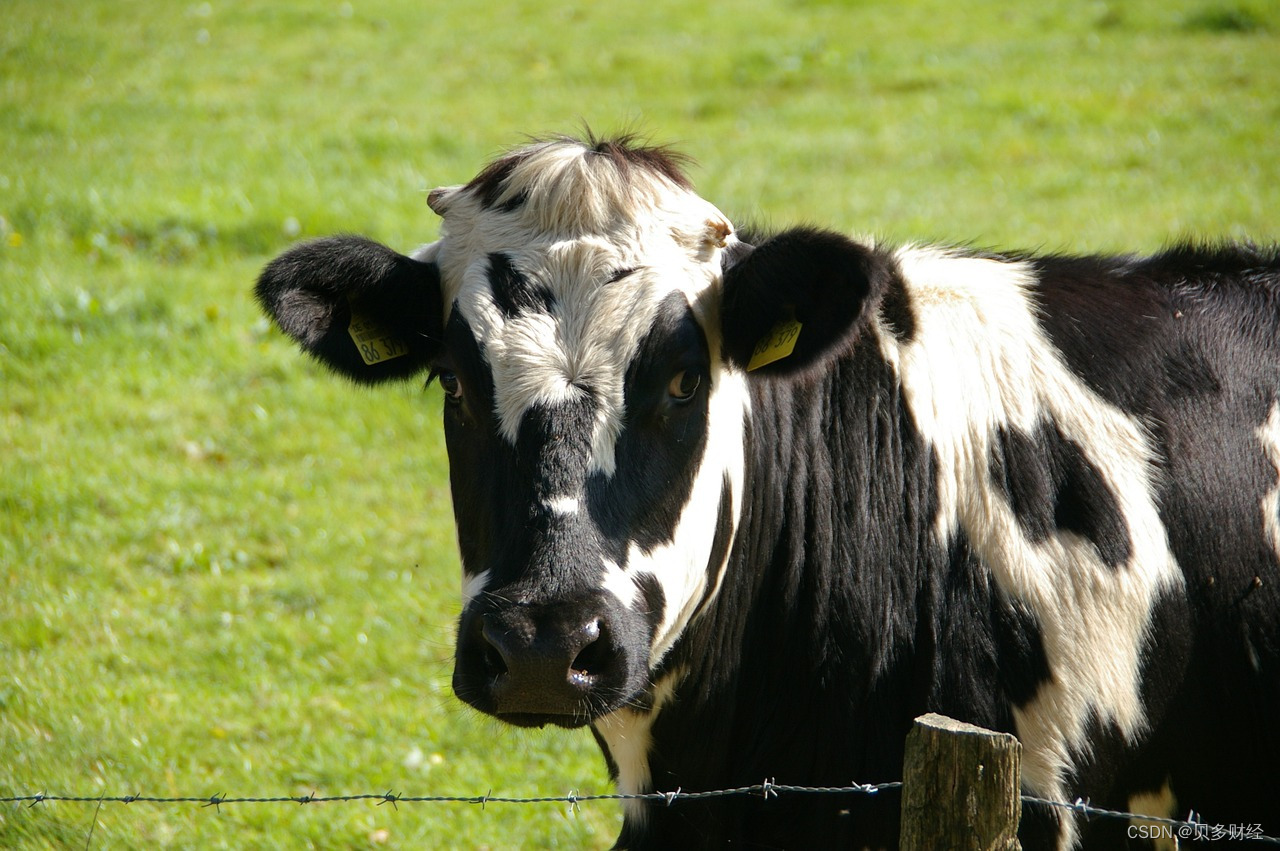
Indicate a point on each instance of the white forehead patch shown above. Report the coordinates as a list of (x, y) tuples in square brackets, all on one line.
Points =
[(664, 236), (581, 348)]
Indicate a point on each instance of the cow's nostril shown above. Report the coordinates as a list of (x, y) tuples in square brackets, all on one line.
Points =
[(593, 657), (532, 665), (494, 664)]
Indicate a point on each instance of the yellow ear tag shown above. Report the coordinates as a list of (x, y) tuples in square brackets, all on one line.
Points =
[(375, 343), (776, 345)]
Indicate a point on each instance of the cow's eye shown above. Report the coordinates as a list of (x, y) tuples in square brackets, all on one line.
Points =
[(449, 384), (683, 385)]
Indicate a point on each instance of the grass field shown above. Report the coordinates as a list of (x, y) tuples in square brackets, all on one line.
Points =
[(222, 571)]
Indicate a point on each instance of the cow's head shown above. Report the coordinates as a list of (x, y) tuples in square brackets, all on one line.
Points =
[(590, 320)]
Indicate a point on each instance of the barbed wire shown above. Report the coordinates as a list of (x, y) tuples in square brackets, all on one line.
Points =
[(1189, 828), (767, 789)]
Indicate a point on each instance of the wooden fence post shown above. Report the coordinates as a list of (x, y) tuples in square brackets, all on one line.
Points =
[(960, 787)]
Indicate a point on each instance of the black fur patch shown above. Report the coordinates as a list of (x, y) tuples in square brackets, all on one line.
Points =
[(1140, 329), (655, 602), (1023, 663), (1189, 373), (896, 312), (489, 184), (1050, 484), (513, 292), (626, 152), (1108, 324), (554, 445), (1232, 263), (659, 451)]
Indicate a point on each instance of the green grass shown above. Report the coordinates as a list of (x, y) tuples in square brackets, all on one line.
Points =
[(222, 571)]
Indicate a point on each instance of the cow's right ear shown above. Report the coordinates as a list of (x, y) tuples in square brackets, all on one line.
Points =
[(366, 311), (797, 299)]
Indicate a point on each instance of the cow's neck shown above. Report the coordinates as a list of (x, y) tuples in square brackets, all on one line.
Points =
[(817, 608)]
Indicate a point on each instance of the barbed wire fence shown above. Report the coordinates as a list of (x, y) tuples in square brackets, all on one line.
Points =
[(1184, 829)]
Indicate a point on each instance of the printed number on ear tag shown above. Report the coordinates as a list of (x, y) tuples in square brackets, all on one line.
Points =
[(375, 343), (776, 345)]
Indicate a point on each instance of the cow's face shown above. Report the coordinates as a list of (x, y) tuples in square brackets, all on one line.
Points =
[(594, 431), (576, 314)]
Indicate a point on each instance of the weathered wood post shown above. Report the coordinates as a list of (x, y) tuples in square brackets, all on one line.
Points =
[(960, 787)]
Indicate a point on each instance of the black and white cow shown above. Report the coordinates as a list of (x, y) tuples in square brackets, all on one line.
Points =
[(1040, 494)]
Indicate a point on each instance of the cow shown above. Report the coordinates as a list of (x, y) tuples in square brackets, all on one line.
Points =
[(747, 504)]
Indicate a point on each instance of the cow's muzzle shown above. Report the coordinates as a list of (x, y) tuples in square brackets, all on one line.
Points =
[(563, 664)]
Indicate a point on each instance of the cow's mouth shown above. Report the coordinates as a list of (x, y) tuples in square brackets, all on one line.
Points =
[(539, 719)]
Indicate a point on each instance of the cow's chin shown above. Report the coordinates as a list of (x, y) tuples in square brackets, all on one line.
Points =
[(535, 719), (570, 716)]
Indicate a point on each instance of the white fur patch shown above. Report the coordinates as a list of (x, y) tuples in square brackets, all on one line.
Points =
[(564, 506), (1269, 435), (1161, 804), (680, 567), (620, 583), (980, 362), (626, 732), (472, 585)]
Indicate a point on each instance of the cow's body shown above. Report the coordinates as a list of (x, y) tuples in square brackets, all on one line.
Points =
[(840, 628), (1037, 494)]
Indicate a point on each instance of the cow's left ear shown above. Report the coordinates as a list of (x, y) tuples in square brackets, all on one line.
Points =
[(366, 311), (797, 298)]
